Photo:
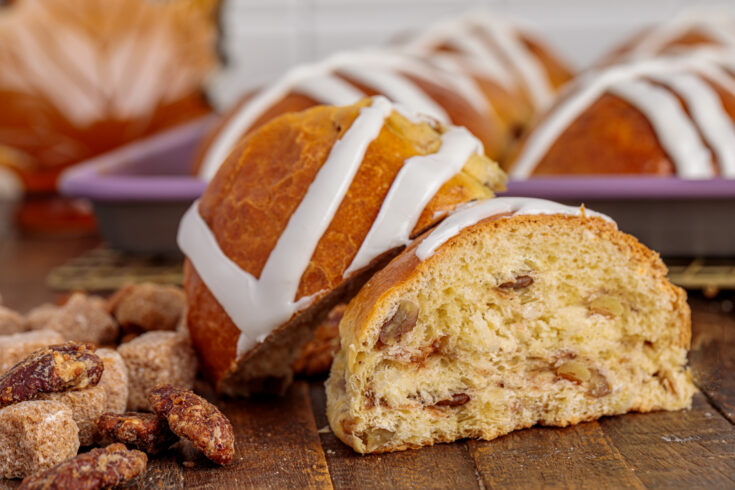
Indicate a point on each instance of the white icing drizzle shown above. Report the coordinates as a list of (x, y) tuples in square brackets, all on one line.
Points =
[(397, 88), (676, 133), (530, 68), (474, 212), (414, 186), (675, 129), (708, 112), (257, 306), (716, 25), (319, 82), (330, 89)]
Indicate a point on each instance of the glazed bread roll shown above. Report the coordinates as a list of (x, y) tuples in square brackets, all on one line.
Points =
[(670, 116), (81, 78), (346, 78), (511, 312), (518, 73), (691, 29), (300, 215)]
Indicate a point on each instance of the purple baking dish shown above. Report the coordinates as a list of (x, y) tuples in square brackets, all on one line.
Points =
[(676, 217), (141, 190)]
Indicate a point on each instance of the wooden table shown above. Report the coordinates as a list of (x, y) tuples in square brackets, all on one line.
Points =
[(285, 442)]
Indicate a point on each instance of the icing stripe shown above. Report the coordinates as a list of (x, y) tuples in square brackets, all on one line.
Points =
[(396, 88), (529, 67), (256, 306), (475, 212), (329, 89), (706, 108), (414, 186), (677, 135)]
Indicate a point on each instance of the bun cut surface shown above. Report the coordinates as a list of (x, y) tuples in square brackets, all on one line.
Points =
[(511, 312)]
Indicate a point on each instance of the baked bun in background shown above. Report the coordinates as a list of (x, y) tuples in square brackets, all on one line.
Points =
[(511, 312), (668, 116), (516, 70), (345, 78), (80, 78), (692, 29), (300, 215)]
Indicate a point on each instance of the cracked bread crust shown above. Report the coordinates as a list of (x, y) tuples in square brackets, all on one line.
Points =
[(556, 350)]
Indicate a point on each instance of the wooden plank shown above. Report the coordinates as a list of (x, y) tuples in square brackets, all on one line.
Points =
[(162, 472), (440, 466), (579, 456), (685, 449), (713, 355), (277, 446)]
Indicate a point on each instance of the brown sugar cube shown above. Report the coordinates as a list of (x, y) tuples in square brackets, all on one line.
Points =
[(39, 316), (148, 307), (35, 435), (11, 322), (84, 319), (85, 405), (108, 467), (145, 431), (114, 380), (14, 348), (155, 358)]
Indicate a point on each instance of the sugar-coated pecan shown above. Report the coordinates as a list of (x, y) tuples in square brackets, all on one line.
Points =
[(63, 367), (519, 282), (456, 400), (194, 418), (145, 431), (99, 468)]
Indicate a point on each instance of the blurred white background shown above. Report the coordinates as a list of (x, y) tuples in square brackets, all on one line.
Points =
[(262, 38)]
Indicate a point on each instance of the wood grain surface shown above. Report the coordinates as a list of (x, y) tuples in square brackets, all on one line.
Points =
[(285, 442)]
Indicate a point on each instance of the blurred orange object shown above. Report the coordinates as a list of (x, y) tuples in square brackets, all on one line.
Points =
[(80, 78)]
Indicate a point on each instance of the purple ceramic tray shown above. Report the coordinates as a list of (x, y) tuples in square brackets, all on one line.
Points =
[(141, 190), (673, 216)]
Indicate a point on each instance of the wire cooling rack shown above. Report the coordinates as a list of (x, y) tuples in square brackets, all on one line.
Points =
[(105, 269)]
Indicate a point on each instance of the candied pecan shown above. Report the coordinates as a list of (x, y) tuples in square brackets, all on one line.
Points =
[(520, 282), (99, 468), (456, 400), (194, 418), (402, 322), (145, 431), (63, 367)]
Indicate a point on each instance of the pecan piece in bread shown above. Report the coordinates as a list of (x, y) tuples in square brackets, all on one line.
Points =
[(145, 431), (99, 468), (192, 417), (63, 367), (401, 323)]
